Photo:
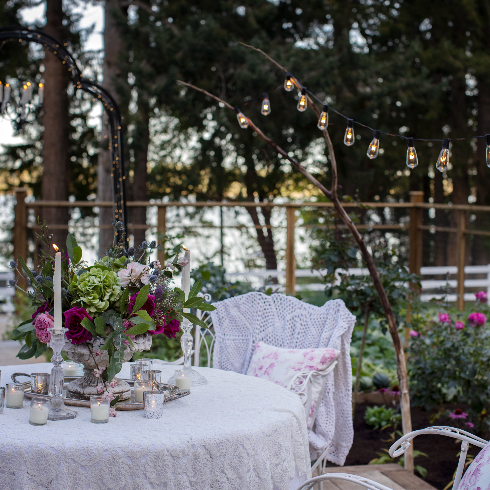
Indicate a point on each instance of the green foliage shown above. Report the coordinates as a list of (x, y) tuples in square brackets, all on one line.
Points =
[(381, 380), (380, 417)]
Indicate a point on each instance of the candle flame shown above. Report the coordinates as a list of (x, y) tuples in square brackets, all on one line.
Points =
[(185, 248), (55, 247), (7, 85), (41, 85), (28, 84)]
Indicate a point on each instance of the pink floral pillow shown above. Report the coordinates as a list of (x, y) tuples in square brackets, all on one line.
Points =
[(281, 366), (477, 476)]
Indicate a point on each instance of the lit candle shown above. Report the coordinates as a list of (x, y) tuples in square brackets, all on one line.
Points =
[(186, 277), (23, 97), (70, 369), (38, 414), (41, 94), (139, 391), (1, 92), (100, 410), (57, 290), (29, 92), (6, 96), (14, 396), (183, 382)]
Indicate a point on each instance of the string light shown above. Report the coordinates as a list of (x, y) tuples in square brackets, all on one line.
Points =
[(288, 83), (323, 119), (266, 105), (412, 160), (302, 104), (242, 120), (373, 147), (349, 133), (487, 137), (443, 160)]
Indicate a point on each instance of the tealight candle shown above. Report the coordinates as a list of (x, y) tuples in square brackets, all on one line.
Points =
[(14, 396), (70, 368), (139, 390), (182, 381), (100, 409), (39, 411)]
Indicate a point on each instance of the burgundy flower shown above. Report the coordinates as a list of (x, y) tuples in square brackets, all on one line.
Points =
[(75, 332), (168, 326), (149, 305), (42, 309)]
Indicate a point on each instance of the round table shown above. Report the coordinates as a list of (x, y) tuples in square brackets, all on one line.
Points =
[(236, 432)]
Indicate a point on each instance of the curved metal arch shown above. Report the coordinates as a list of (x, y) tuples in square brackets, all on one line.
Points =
[(56, 47)]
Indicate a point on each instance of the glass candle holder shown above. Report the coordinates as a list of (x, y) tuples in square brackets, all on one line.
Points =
[(137, 373), (154, 378), (139, 389), (14, 396), (147, 362), (39, 411), (182, 381), (100, 409), (2, 398), (40, 383), (70, 368), (154, 401)]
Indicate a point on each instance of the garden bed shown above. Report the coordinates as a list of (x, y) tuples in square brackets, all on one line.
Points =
[(441, 451)]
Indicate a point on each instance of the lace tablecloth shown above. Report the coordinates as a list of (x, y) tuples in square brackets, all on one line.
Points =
[(236, 432)]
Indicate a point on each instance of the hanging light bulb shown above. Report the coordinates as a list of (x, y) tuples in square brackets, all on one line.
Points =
[(374, 146), (266, 105), (487, 137), (323, 119), (242, 120), (412, 160), (349, 133), (288, 83), (443, 160), (302, 101)]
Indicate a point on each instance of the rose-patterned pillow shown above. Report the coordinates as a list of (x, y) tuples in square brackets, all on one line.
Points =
[(477, 476), (282, 365)]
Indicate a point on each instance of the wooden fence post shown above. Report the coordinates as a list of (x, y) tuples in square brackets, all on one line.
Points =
[(461, 245), (161, 231), (20, 227), (290, 259)]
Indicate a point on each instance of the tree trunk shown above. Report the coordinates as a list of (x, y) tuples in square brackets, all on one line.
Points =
[(113, 46), (54, 185)]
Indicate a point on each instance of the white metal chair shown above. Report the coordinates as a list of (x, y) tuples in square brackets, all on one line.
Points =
[(360, 480)]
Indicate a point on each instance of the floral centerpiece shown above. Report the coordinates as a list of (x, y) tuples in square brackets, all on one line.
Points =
[(111, 309)]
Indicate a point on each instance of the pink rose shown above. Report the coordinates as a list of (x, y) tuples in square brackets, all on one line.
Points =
[(41, 324), (76, 333), (459, 325), (42, 309), (133, 273), (477, 319), (444, 318), (413, 333), (481, 296)]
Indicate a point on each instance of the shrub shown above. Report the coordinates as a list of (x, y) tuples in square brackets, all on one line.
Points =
[(381, 417)]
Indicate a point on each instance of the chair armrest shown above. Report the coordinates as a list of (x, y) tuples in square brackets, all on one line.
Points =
[(360, 480)]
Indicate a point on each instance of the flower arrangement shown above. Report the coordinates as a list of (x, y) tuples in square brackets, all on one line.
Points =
[(111, 308)]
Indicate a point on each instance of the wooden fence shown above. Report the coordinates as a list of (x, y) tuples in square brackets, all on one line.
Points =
[(415, 226)]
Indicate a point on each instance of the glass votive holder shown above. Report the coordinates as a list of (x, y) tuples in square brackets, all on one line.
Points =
[(40, 383), (182, 381), (137, 373), (139, 389), (70, 368), (100, 409), (14, 396), (154, 401), (2, 398), (154, 378), (39, 411)]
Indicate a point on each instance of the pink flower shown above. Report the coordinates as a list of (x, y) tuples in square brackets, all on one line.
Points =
[(458, 414), (481, 296), (469, 424), (112, 412), (477, 319), (42, 322), (413, 333), (394, 391), (98, 353), (98, 372), (76, 333), (149, 305), (113, 383), (107, 395), (444, 318), (459, 325), (100, 388), (133, 273), (382, 390)]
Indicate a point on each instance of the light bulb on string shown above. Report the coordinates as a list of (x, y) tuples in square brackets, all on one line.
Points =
[(323, 119), (373, 147), (266, 105), (288, 83), (412, 160), (443, 160), (487, 137), (349, 133), (302, 103), (242, 120)]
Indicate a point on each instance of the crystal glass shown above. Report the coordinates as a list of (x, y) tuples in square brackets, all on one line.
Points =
[(139, 389), (137, 372), (154, 378), (40, 383), (100, 409), (2, 398), (154, 401), (39, 411), (146, 363), (14, 396)]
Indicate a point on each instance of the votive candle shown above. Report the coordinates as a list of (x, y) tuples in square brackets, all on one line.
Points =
[(183, 382), (100, 409), (39, 411), (14, 396), (139, 390)]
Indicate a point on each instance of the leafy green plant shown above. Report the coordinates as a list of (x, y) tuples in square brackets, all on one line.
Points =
[(380, 417)]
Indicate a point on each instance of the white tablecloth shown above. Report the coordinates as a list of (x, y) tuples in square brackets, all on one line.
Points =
[(236, 432)]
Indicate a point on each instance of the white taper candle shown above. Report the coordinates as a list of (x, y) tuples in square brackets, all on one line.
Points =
[(57, 291)]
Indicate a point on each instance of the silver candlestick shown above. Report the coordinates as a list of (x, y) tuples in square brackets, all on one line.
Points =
[(186, 342), (57, 410)]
